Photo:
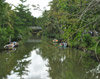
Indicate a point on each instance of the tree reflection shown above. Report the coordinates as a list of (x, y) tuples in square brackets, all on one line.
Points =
[(63, 64), (68, 63), (15, 61)]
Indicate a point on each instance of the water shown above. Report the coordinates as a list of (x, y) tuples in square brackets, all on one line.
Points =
[(43, 60), (35, 68)]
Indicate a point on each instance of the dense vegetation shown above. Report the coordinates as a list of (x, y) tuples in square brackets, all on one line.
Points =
[(14, 22), (75, 21)]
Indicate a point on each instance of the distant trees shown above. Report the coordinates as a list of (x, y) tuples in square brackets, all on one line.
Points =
[(6, 22), (24, 15), (14, 22), (76, 21)]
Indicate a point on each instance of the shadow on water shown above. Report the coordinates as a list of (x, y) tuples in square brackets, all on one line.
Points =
[(35, 60)]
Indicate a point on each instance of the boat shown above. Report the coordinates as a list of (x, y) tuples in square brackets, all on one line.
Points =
[(63, 45), (15, 44), (9, 46), (55, 41)]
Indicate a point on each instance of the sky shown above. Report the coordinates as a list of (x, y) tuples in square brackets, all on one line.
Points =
[(35, 13)]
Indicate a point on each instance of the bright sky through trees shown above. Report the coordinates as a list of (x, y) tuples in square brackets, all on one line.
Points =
[(41, 3)]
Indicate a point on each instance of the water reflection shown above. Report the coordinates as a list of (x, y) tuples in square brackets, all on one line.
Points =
[(67, 64), (95, 72), (47, 61), (36, 68), (34, 41)]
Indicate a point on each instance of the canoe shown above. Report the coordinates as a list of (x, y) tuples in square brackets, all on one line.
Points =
[(9, 46)]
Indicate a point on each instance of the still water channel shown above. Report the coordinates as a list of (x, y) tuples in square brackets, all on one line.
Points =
[(36, 59)]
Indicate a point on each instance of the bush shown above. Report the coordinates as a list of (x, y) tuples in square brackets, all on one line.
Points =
[(87, 39)]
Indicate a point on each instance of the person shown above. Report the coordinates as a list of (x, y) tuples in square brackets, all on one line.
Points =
[(60, 45), (65, 44), (55, 41)]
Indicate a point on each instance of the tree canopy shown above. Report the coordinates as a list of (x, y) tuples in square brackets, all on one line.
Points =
[(75, 21), (14, 22)]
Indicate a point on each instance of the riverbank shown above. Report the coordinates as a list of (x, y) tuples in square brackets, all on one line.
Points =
[(24, 36), (89, 51), (59, 63), (94, 53)]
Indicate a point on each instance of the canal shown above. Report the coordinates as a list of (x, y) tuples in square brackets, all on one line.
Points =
[(36, 59)]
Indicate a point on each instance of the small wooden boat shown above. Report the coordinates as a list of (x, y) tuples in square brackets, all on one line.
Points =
[(9, 46)]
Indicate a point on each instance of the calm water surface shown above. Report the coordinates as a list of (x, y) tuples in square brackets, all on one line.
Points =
[(42, 60)]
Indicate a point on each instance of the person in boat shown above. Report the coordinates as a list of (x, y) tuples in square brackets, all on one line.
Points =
[(55, 41), (15, 43), (63, 45), (60, 45)]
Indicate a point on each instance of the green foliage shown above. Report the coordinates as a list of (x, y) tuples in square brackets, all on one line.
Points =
[(76, 21), (87, 39), (4, 35), (14, 22), (23, 1)]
